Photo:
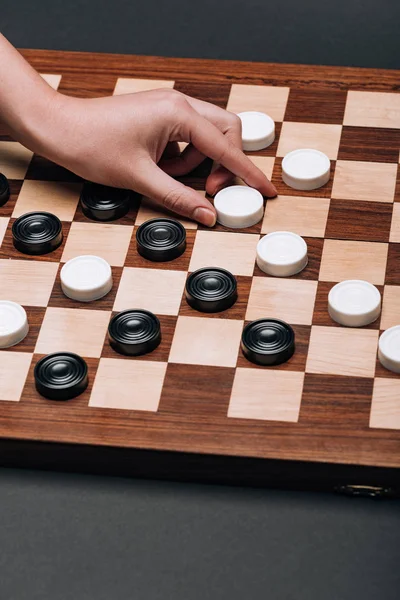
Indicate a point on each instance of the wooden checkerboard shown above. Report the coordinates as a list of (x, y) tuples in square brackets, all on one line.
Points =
[(195, 407)]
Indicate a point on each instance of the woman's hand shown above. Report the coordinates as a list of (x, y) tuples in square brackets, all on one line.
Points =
[(130, 141)]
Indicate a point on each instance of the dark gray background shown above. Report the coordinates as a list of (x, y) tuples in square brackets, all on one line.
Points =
[(81, 537)]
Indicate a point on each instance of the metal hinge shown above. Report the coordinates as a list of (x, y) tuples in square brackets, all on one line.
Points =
[(365, 491)]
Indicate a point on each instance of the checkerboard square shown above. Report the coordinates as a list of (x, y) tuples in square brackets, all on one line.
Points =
[(390, 306), (395, 227), (143, 382), (151, 210), (372, 109), (51, 79), (3, 227), (202, 341), (340, 351), (235, 252), (369, 144), (159, 291), (14, 367), (264, 163), (385, 407), (320, 136), (291, 300), (111, 242), (345, 259), (131, 86), (299, 214), (263, 98), (27, 282), (267, 395), (73, 330), (14, 160), (61, 199), (357, 220), (369, 181), (316, 106)]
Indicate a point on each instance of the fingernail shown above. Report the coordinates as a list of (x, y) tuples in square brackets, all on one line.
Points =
[(274, 190), (205, 216)]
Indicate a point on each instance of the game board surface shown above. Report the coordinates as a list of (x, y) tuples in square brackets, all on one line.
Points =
[(332, 406)]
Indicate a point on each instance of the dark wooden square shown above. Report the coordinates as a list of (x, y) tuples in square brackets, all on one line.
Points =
[(356, 220), (35, 316), (392, 276), (15, 187), (134, 259), (80, 85), (7, 249), (42, 169), (283, 189), (315, 247), (215, 93), (316, 106), (374, 144)]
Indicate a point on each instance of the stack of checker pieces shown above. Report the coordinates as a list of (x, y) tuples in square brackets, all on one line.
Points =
[(195, 407)]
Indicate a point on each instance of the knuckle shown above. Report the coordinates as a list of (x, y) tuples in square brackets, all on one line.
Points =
[(235, 121), (175, 200)]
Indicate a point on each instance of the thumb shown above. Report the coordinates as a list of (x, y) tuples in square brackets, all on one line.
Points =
[(175, 196)]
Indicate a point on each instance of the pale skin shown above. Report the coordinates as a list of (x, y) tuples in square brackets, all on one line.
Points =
[(128, 141)]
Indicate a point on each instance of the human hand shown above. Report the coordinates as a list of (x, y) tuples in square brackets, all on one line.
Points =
[(131, 141)]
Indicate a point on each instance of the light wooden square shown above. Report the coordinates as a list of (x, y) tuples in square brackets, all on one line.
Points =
[(291, 300), (299, 214), (27, 282), (52, 80), (14, 160), (3, 227), (111, 242), (61, 199), (346, 259), (202, 341), (131, 86), (149, 209), (159, 291), (385, 407), (266, 395), (372, 109), (263, 98), (368, 181), (73, 330), (342, 351), (264, 163), (235, 252), (390, 306), (143, 382), (14, 367), (395, 226), (319, 136)]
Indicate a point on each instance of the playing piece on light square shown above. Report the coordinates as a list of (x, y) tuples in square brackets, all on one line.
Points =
[(395, 226), (368, 181), (299, 214), (372, 109), (27, 282), (73, 330), (319, 136), (52, 80), (14, 367), (108, 241), (273, 296), (346, 259), (3, 227), (261, 98), (151, 210), (131, 86), (390, 306), (342, 351), (202, 341), (266, 395), (385, 407), (60, 199), (143, 381), (235, 252), (14, 160), (157, 290)]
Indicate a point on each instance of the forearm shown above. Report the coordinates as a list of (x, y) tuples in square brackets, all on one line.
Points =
[(26, 100)]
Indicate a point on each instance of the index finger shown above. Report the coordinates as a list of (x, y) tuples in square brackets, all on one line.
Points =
[(207, 138)]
